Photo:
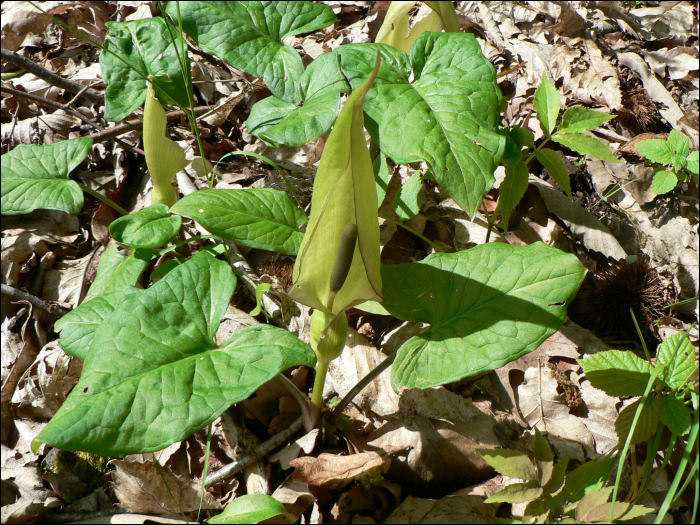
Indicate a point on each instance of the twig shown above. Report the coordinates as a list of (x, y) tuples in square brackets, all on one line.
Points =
[(52, 78), (53, 104), (360, 386), (260, 452), (130, 125), (19, 295)]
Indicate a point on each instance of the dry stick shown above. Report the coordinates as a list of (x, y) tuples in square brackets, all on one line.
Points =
[(51, 103), (260, 452), (77, 114), (130, 125), (19, 295), (360, 386), (52, 78)]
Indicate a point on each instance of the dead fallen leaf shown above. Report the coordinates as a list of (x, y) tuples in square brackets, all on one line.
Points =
[(585, 226), (140, 488), (331, 471), (543, 407)]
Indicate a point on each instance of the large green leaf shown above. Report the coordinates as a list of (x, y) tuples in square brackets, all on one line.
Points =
[(448, 116), (148, 228), (116, 270), (248, 36), (146, 47), (153, 375), (487, 306), (36, 177), (277, 121), (678, 355), (617, 372), (261, 218), (78, 326)]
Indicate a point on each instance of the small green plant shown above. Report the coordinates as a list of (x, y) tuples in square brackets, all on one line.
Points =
[(579, 496), (665, 389), (672, 152)]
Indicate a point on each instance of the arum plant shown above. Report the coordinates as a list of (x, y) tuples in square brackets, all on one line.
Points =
[(338, 264), (164, 157)]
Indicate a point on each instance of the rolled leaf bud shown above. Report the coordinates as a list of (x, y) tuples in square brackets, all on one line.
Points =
[(328, 334)]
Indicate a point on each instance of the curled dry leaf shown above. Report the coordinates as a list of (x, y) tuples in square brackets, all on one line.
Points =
[(331, 471)]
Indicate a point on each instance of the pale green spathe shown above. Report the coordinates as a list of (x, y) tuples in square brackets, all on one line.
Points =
[(163, 156), (344, 193)]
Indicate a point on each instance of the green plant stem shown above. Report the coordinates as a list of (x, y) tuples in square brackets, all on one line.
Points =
[(414, 232), (268, 161), (641, 337), (106, 200), (206, 471), (684, 301), (360, 386), (317, 395), (649, 463), (623, 454), (671, 494)]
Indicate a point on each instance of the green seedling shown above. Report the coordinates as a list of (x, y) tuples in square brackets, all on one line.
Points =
[(672, 152)]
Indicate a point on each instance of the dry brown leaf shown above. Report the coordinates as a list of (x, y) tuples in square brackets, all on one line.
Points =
[(585, 226), (140, 488), (543, 407), (295, 497), (335, 472), (601, 416), (463, 506), (64, 283)]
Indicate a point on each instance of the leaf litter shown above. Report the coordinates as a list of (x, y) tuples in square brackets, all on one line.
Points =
[(388, 451)]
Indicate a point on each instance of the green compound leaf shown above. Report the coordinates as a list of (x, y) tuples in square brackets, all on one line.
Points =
[(677, 354), (516, 493), (149, 228), (675, 415), (409, 199), (680, 145), (262, 218), (513, 188), (251, 508), (663, 182), (280, 122), (586, 145), (448, 116), (248, 36), (36, 177), (656, 150), (647, 424), (153, 375), (617, 372), (693, 161), (556, 167), (487, 306), (146, 46), (547, 103), (116, 270), (512, 463), (579, 118)]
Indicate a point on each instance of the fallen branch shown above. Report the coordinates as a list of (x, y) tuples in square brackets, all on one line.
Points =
[(52, 78), (263, 450)]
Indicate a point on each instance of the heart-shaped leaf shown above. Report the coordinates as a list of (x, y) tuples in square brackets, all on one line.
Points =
[(147, 48), (248, 36), (36, 177), (448, 116), (487, 306), (149, 228), (153, 375), (262, 218), (280, 122)]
